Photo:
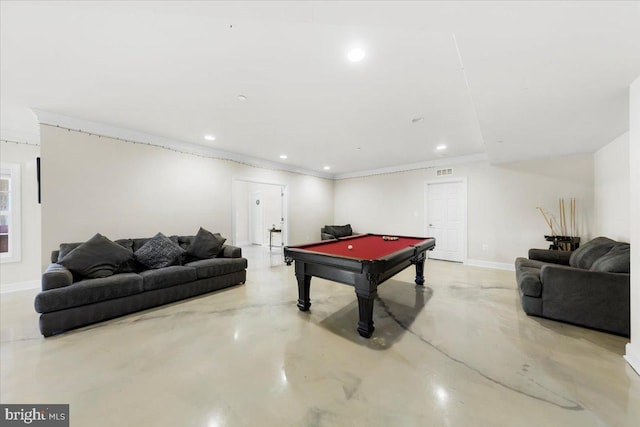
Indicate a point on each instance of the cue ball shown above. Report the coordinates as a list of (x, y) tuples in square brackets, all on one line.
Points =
[(349, 247)]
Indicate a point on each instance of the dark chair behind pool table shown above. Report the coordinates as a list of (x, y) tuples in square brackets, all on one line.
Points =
[(329, 232)]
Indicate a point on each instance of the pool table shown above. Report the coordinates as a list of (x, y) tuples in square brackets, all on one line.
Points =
[(363, 261)]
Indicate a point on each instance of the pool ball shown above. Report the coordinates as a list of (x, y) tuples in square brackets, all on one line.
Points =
[(349, 247)]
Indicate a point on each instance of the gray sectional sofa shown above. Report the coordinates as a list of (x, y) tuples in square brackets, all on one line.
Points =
[(116, 282), (588, 287)]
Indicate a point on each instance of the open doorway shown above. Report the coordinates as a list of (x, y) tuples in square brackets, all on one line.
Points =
[(259, 213)]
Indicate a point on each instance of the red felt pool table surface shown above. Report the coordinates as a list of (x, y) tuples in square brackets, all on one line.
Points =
[(365, 247)]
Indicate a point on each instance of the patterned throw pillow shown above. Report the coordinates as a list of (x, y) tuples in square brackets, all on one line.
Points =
[(97, 257), (158, 252), (206, 244)]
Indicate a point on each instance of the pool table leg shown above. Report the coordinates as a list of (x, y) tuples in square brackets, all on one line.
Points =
[(419, 262), (366, 291), (304, 285)]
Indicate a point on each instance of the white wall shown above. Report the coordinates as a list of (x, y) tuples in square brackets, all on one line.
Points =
[(611, 189), (502, 203), (27, 270), (240, 191), (633, 348), (120, 189)]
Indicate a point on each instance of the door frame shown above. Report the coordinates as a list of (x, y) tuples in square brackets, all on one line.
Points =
[(463, 180), (284, 208)]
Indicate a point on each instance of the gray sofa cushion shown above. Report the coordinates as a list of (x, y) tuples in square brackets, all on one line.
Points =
[(88, 292), (168, 276), (617, 260), (587, 254), (131, 266), (218, 266), (158, 252), (206, 244), (97, 257)]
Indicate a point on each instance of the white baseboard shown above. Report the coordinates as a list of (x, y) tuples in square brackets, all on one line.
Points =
[(20, 286), (632, 357), (491, 264)]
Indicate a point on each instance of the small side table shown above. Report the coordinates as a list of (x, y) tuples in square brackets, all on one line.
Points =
[(271, 231)]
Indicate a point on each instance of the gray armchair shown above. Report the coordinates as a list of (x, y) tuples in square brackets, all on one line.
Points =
[(335, 231), (588, 287)]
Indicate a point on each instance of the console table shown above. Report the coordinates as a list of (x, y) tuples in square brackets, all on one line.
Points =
[(563, 243), (271, 231)]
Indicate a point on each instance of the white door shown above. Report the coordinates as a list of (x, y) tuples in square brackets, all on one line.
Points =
[(256, 219), (446, 219)]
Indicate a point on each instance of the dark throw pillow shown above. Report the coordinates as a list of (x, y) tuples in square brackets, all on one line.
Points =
[(587, 254), (617, 260), (158, 252), (206, 244), (97, 257), (65, 248)]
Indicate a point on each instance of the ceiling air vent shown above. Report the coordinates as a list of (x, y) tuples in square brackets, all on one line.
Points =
[(444, 172)]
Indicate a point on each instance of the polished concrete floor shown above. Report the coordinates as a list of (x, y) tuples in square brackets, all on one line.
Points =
[(457, 352)]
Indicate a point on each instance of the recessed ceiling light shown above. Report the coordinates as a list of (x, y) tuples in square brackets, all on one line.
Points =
[(283, 156), (242, 97), (356, 55), (441, 147), (210, 137), (417, 119), (326, 168)]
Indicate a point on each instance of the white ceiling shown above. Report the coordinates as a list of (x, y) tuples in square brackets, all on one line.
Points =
[(515, 80)]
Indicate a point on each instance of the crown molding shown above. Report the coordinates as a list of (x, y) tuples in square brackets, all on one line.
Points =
[(20, 137), (130, 135), (413, 166)]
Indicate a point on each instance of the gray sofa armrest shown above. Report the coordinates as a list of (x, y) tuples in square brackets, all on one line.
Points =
[(56, 276), (326, 236), (546, 255), (594, 299), (229, 251)]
